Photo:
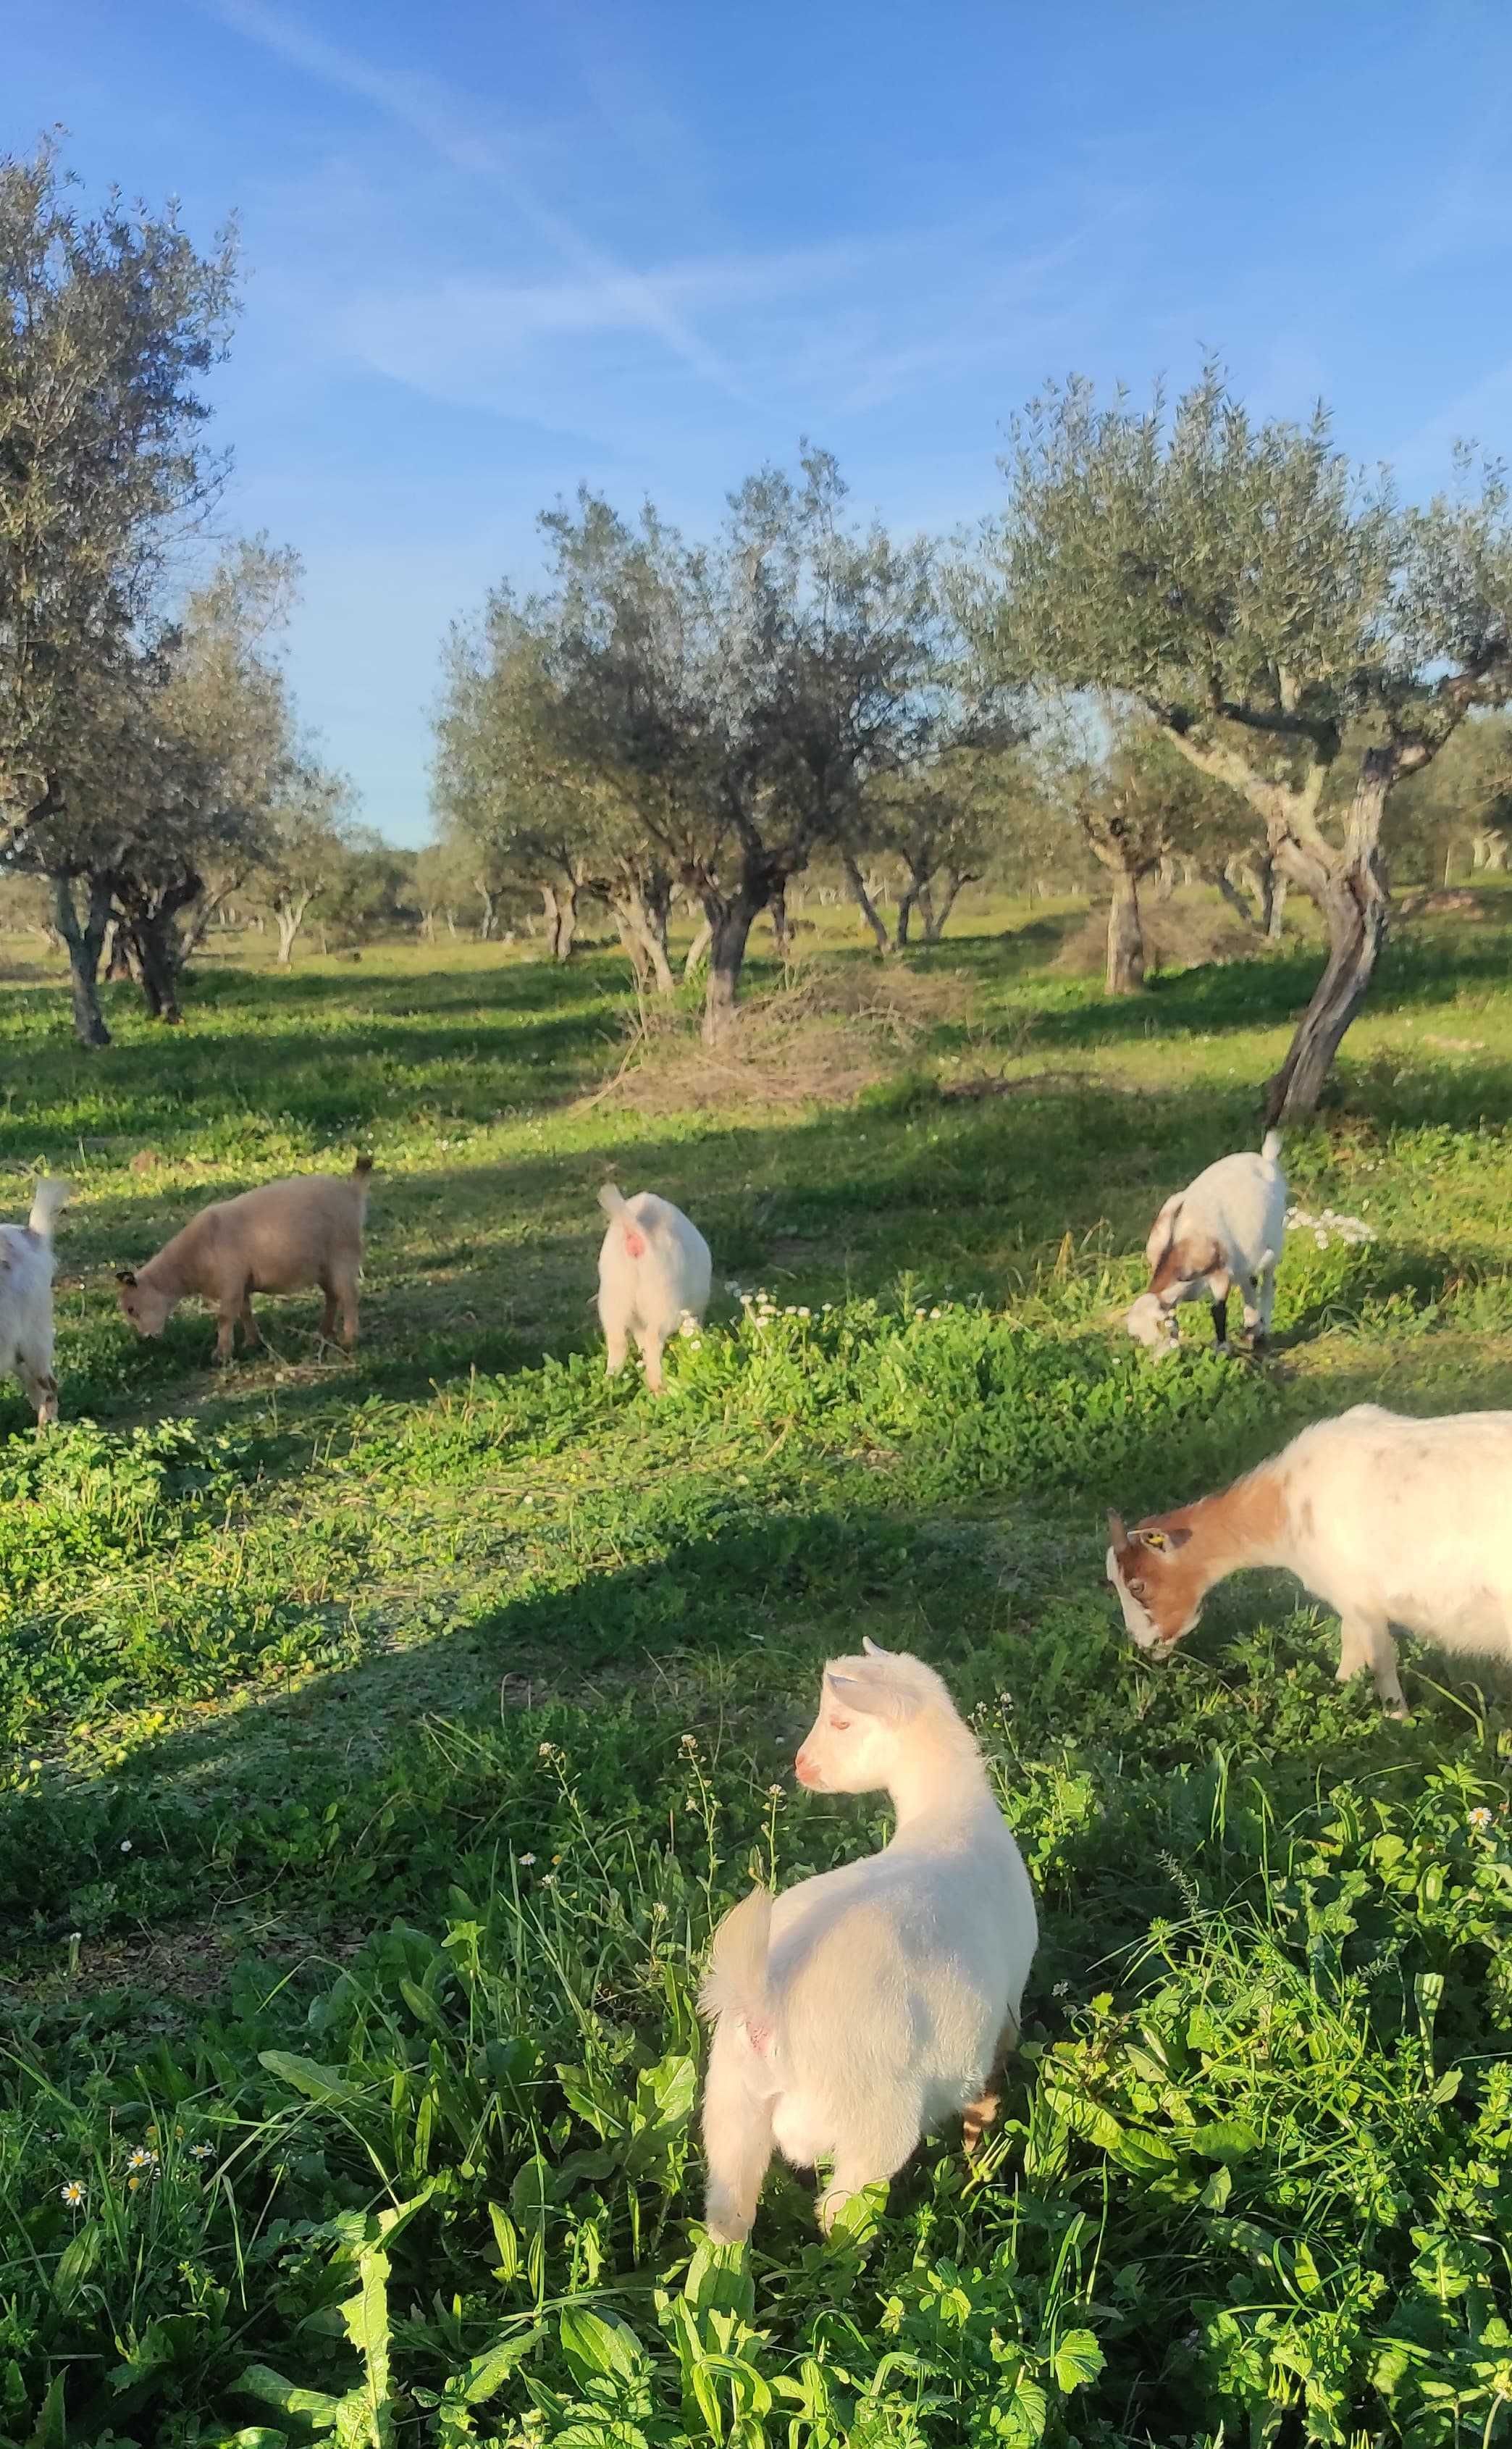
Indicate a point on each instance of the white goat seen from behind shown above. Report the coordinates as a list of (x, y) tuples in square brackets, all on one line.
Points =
[(653, 1271), (25, 1300), (857, 2009)]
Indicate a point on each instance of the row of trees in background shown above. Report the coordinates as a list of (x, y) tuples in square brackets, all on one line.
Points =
[(1186, 637), (151, 769)]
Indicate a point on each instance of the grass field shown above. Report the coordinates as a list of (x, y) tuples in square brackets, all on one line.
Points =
[(382, 1736)]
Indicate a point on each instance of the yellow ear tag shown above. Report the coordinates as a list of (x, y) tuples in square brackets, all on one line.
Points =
[(1155, 1540)]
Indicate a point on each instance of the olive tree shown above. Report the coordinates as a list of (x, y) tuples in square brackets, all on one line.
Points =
[(108, 323), (1260, 599)]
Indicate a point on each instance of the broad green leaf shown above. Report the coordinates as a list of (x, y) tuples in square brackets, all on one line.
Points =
[(53, 2428), (488, 2371), (1077, 2358), (316, 2406), (599, 2346), (317, 2082)]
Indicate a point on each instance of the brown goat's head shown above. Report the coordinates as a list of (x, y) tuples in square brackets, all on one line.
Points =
[(1159, 1590)]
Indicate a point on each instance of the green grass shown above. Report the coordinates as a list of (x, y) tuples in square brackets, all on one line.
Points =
[(381, 1737)]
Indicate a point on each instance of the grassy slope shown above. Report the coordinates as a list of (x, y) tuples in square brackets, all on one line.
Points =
[(324, 1644)]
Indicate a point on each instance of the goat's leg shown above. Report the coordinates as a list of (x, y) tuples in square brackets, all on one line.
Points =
[(41, 1390), (344, 1294), (651, 1341), (616, 1339), (328, 1315), (1366, 1641), (249, 1324), (1220, 1322), (872, 2150), (1264, 1309), (737, 2139), (980, 2113), (225, 1334)]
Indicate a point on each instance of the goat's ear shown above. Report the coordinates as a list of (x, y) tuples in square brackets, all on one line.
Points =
[(873, 1648), (1117, 1533), (125, 1275), (871, 1698)]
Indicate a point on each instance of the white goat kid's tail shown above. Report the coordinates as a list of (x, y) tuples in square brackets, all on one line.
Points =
[(612, 1200), (1271, 1145), (51, 1195), (737, 1978)]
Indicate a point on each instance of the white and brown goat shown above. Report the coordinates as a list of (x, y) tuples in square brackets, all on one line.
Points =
[(1388, 1520), (1225, 1228)]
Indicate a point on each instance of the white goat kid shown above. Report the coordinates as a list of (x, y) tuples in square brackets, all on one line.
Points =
[(862, 2007), (25, 1299), (1225, 1228), (653, 1271)]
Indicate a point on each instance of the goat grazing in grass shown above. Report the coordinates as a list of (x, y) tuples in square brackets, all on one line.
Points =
[(1387, 1521), (25, 1299), (1225, 1228), (653, 1271), (860, 2008), (281, 1239)]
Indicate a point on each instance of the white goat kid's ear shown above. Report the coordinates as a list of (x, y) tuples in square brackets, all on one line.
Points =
[(870, 1696), (873, 1648)]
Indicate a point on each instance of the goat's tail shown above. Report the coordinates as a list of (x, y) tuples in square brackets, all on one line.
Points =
[(51, 1194), (612, 1200), (737, 1976), (1271, 1145)]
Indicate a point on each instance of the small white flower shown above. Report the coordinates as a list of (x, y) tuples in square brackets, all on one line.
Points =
[(525, 1861), (803, 1313), (935, 1313), (201, 2150), (142, 2158), (776, 1792), (546, 1751), (126, 1845), (548, 1879), (919, 1313), (690, 1742), (1479, 1817), (72, 2193), (1062, 1990), (528, 1500)]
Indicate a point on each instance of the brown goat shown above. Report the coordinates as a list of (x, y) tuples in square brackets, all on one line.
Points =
[(288, 1234)]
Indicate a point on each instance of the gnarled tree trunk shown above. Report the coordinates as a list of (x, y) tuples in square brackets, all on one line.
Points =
[(1352, 895), (560, 903), (781, 932), (289, 910), (1124, 973), (696, 950), (84, 940), (641, 907), (731, 919), (862, 898), (936, 913)]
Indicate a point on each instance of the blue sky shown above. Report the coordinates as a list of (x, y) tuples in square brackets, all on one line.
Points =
[(494, 249)]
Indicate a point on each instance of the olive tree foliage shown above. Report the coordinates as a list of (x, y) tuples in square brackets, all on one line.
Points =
[(183, 748), (304, 846), (1460, 808), (1260, 599), (668, 718), (509, 793), (969, 811), (108, 323)]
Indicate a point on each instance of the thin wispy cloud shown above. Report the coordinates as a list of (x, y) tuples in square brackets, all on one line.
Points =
[(437, 117)]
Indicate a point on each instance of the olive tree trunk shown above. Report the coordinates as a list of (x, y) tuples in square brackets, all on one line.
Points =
[(863, 900), (84, 940), (560, 903), (1353, 896), (1124, 973), (934, 913)]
